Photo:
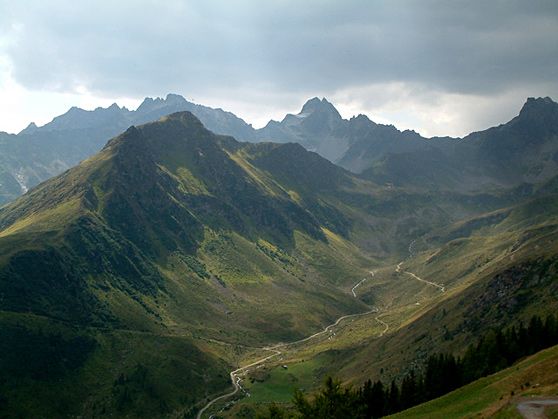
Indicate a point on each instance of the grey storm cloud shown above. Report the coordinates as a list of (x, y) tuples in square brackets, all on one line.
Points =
[(138, 47)]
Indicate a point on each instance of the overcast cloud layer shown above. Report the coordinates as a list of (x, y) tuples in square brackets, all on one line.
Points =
[(440, 67)]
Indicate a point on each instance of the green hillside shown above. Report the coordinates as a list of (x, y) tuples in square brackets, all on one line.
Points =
[(496, 395), (177, 236), (497, 269)]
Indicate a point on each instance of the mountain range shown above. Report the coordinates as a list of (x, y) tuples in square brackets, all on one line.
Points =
[(378, 152), (38, 153), (134, 282)]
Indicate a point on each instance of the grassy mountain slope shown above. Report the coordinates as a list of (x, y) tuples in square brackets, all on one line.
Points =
[(187, 239), (496, 395), (497, 269)]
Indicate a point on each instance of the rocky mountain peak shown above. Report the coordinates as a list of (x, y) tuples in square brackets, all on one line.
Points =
[(539, 106), (149, 104), (30, 129), (315, 105), (168, 131)]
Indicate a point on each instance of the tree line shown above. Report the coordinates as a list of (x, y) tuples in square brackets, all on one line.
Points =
[(442, 374)]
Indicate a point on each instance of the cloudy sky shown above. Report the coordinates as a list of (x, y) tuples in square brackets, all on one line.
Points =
[(439, 67)]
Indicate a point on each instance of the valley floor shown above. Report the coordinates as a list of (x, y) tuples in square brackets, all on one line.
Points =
[(303, 363), (427, 292)]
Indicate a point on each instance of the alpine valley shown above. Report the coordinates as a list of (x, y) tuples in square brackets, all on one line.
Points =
[(193, 266)]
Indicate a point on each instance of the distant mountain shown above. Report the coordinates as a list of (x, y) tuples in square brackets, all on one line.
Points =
[(381, 152), (216, 120), (355, 144), (149, 110), (318, 127), (520, 151), (524, 150), (38, 153)]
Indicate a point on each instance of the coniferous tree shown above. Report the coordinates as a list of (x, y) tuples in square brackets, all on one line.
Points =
[(374, 398), (392, 399), (409, 391), (332, 402), (535, 334)]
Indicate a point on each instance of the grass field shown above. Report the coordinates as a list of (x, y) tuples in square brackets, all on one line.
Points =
[(280, 383)]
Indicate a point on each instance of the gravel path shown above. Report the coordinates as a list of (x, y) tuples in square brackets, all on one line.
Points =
[(534, 409)]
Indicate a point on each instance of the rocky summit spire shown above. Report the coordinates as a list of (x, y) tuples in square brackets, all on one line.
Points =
[(315, 105), (539, 106)]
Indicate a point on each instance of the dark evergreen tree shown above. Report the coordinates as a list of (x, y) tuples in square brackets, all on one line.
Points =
[(332, 402), (535, 333), (409, 391), (392, 399), (373, 397)]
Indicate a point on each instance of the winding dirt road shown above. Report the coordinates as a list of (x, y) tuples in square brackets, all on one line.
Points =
[(235, 380), (418, 278), (235, 375), (358, 284), (383, 323)]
